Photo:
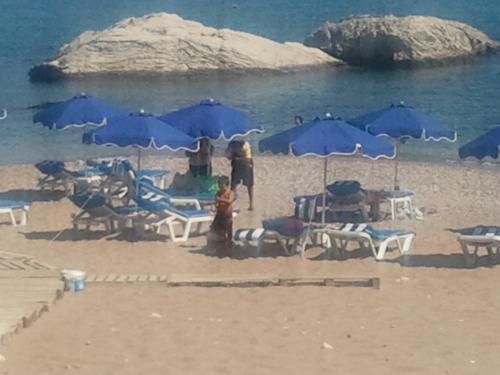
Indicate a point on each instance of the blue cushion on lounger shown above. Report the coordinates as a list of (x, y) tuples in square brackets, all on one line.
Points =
[(13, 204), (344, 187), (480, 230), (286, 226), (160, 205), (190, 212), (50, 166), (376, 234)]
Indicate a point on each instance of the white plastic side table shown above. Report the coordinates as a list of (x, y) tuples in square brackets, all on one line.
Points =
[(400, 200)]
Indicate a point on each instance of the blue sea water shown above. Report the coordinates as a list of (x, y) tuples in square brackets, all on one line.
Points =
[(464, 97)]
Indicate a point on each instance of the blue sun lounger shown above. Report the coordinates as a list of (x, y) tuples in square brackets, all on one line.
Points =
[(95, 211), (336, 239), (11, 207)]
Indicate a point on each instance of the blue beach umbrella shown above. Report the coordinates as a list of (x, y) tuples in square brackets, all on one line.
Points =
[(143, 131), (3, 114), (211, 119), (324, 138), (80, 111), (483, 146), (402, 122)]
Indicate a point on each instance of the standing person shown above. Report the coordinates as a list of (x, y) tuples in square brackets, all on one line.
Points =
[(240, 154), (200, 162), (221, 229)]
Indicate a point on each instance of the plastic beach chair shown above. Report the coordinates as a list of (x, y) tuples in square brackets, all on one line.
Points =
[(120, 166), (475, 238), (56, 176), (171, 216), (11, 207), (376, 240), (95, 211), (290, 233)]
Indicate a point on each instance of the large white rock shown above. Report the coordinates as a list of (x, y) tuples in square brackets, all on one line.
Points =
[(389, 40), (166, 43)]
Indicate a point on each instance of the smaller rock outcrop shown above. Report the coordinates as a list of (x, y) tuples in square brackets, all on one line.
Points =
[(388, 40)]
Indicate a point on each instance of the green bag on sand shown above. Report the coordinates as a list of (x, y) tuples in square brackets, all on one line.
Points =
[(207, 184)]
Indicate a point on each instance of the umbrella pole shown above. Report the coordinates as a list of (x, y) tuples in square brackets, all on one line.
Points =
[(137, 178), (396, 147), (325, 171)]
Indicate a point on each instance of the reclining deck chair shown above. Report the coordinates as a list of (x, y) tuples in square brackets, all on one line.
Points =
[(95, 211), (289, 241), (472, 239), (56, 176), (11, 207), (375, 240), (111, 167)]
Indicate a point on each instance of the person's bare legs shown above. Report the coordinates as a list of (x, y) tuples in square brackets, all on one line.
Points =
[(250, 197)]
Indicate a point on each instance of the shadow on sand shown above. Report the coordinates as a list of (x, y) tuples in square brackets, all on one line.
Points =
[(65, 235), (31, 195), (239, 252), (455, 261), (69, 235)]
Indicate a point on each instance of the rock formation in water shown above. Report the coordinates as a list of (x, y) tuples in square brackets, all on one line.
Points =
[(166, 43), (389, 40)]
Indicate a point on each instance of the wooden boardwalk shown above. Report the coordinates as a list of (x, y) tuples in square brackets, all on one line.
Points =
[(27, 289)]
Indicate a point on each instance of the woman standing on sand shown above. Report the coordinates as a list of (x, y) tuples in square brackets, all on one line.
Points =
[(240, 154)]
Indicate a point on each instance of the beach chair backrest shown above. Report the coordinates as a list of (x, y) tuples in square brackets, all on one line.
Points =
[(50, 167), (305, 207), (147, 186), (123, 168)]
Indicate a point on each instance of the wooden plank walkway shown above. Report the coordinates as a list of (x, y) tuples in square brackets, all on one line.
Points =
[(27, 289), (238, 281)]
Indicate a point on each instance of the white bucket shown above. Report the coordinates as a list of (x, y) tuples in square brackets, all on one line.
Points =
[(74, 280)]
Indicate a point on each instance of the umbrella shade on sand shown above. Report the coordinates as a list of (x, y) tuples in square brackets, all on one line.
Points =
[(402, 122), (143, 131), (211, 119), (324, 138), (80, 111), (486, 145)]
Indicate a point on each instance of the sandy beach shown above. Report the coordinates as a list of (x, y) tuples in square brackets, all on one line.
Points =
[(431, 315)]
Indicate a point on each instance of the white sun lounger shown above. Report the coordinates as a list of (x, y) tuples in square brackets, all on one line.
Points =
[(375, 240), (172, 216), (11, 207), (472, 239)]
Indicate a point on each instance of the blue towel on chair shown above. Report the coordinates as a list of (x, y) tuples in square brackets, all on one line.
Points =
[(376, 234), (13, 204), (286, 226), (157, 203)]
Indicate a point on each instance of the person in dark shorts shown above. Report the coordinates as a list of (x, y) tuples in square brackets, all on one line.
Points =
[(220, 236), (200, 162), (240, 154)]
